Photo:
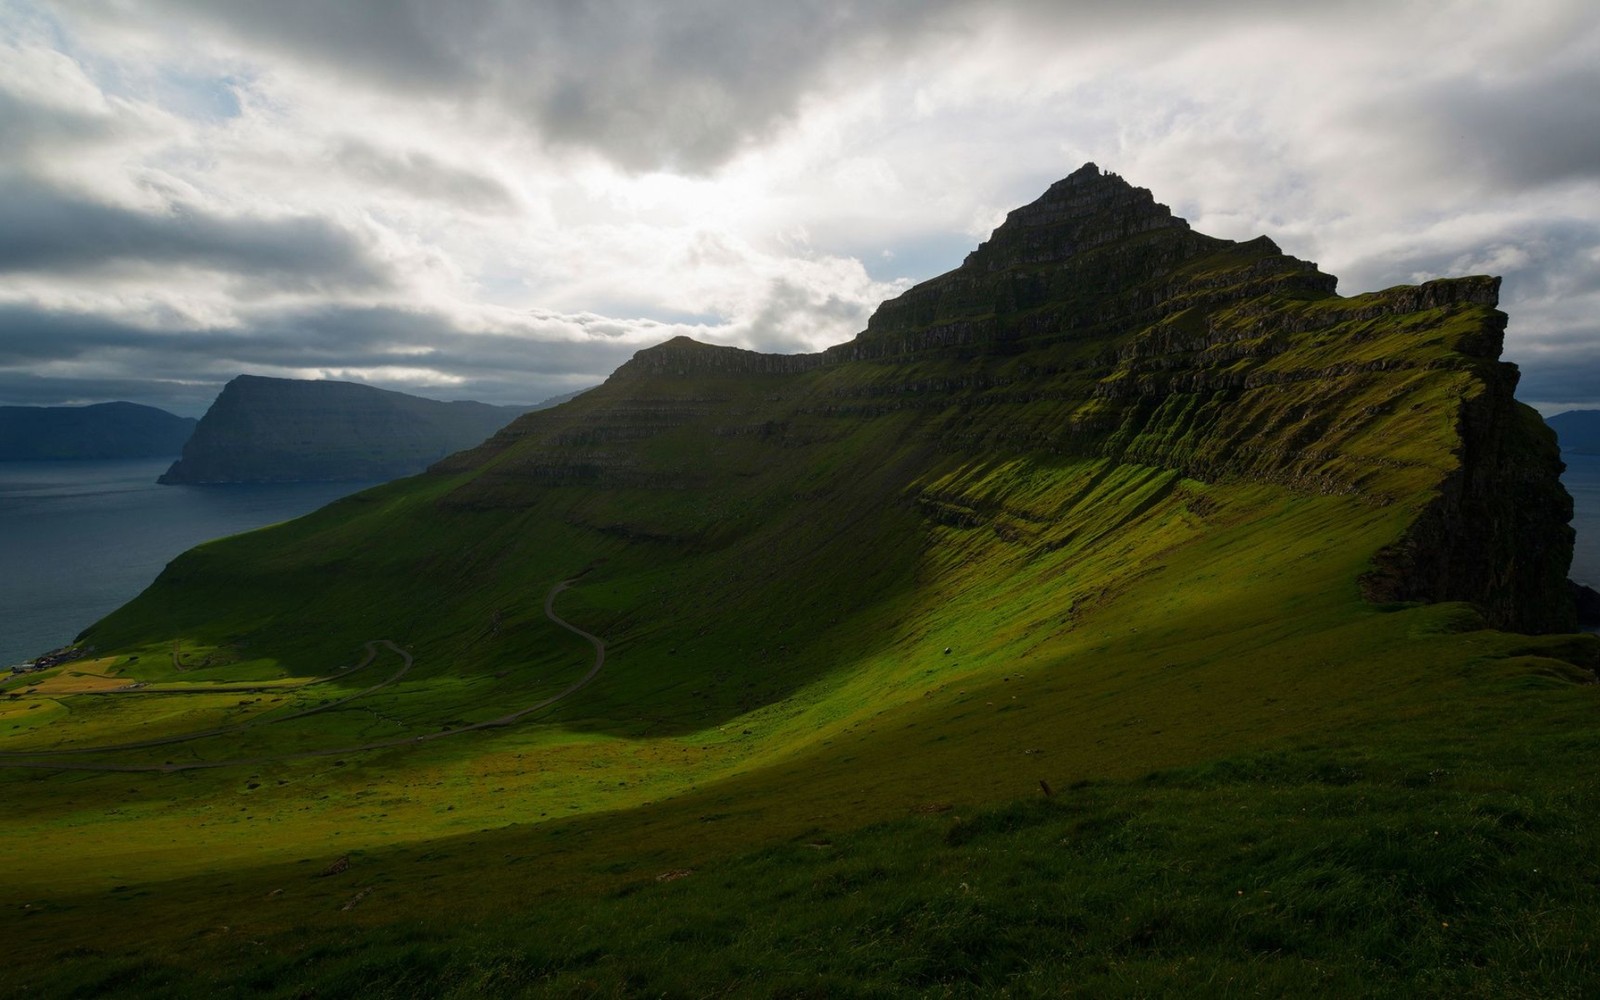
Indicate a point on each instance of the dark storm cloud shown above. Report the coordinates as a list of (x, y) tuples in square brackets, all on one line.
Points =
[(1526, 132), (43, 229), (650, 85), (30, 335), (1573, 382)]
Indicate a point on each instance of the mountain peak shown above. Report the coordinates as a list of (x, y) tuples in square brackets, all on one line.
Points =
[(684, 355), (1093, 255), (1084, 210)]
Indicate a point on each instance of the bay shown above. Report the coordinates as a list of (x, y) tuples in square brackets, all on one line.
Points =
[(79, 539)]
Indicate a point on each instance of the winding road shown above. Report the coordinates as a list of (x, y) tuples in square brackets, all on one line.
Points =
[(46, 759)]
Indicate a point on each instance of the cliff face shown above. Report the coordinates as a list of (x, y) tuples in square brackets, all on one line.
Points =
[(1095, 325), (101, 431), (286, 430), (1498, 531)]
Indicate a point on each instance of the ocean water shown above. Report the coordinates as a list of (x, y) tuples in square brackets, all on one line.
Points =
[(79, 539), (1582, 480)]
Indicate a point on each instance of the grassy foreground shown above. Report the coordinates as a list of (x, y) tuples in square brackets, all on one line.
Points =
[(1385, 799)]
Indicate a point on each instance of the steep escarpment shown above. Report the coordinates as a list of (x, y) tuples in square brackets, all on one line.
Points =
[(99, 431), (1094, 325), (263, 430), (1498, 531)]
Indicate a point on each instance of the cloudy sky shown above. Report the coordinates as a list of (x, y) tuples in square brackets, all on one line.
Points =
[(503, 200)]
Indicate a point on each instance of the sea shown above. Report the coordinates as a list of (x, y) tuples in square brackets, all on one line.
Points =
[(79, 539), (1582, 480)]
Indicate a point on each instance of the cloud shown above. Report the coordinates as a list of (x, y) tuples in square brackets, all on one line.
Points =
[(798, 316), (1483, 131), (46, 230), (34, 129), (677, 87), (1523, 133), (1573, 384), (417, 173)]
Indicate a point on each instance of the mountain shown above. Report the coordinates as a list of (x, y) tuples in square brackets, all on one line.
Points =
[(1578, 431), (101, 430), (1122, 612), (271, 430), (1096, 327)]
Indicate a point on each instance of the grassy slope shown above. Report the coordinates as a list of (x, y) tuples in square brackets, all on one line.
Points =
[(1251, 762), (1343, 738)]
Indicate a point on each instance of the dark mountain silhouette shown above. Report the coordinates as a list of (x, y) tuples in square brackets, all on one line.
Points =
[(264, 430), (98, 431)]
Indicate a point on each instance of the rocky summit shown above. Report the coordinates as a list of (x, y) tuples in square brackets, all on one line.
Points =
[(1124, 612)]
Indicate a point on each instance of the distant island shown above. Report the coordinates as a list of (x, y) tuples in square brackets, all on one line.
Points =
[(276, 430), (1577, 431), (98, 431)]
